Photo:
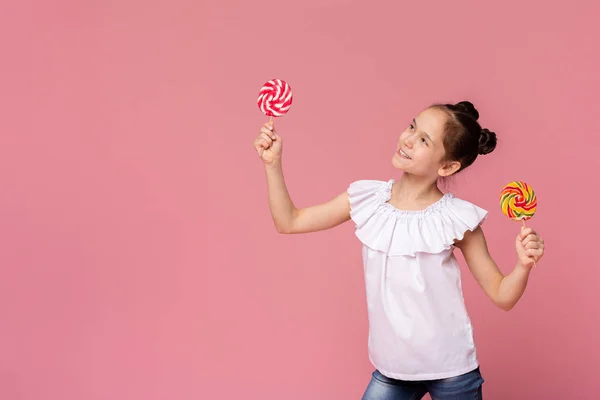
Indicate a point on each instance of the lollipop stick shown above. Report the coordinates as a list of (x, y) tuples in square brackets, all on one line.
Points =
[(271, 121), (525, 226)]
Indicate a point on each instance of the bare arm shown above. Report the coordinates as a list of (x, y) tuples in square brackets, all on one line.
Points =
[(287, 218), (504, 291)]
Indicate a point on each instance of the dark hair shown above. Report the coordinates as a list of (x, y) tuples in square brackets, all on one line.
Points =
[(464, 139)]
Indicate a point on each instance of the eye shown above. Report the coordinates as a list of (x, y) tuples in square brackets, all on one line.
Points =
[(424, 141), (412, 128)]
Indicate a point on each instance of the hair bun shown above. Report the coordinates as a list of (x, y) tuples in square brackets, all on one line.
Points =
[(487, 141), (468, 108)]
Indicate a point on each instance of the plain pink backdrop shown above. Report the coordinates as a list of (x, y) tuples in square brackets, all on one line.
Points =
[(137, 255)]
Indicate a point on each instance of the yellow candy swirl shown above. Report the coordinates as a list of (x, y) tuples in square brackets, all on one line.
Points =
[(518, 201)]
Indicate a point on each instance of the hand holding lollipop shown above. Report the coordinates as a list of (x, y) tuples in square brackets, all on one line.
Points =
[(519, 203), (274, 100)]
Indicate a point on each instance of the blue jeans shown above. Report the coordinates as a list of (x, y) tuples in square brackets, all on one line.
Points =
[(462, 387)]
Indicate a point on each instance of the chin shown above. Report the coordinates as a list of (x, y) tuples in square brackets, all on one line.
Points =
[(397, 164)]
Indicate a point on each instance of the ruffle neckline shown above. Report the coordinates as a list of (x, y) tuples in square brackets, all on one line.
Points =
[(383, 227)]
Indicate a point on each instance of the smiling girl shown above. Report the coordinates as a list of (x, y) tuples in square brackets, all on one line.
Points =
[(420, 334)]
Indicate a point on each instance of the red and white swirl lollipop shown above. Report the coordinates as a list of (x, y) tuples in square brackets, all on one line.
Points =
[(275, 98)]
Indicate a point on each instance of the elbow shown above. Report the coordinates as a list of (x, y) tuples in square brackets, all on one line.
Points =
[(286, 226), (283, 229), (505, 306)]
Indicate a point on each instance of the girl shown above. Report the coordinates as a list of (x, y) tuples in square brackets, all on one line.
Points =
[(420, 335)]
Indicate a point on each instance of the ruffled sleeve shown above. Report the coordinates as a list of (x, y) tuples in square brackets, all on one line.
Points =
[(383, 227)]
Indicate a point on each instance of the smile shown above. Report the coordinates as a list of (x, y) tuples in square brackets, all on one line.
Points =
[(403, 154)]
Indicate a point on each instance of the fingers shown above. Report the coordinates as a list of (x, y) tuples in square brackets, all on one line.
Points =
[(268, 130), (534, 247), (529, 238), (536, 254), (532, 238), (268, 133), (532, 243), (526, 232), (261, 145), (265, 139), (527, 235), (260, 151)]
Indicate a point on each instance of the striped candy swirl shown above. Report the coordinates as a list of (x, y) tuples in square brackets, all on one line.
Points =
[(518, 201), (275, 98)]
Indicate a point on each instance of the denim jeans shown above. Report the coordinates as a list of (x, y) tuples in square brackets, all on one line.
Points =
[(462, 387)]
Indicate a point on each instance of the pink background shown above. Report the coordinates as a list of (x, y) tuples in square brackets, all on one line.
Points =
[(137, 255)]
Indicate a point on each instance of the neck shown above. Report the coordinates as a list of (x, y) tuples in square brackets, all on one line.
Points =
[(410, 187)]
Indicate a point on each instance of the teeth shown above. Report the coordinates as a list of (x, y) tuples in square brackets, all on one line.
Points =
[(404, 154)]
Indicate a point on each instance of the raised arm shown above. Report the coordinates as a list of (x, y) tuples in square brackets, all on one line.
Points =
[(288, 218)]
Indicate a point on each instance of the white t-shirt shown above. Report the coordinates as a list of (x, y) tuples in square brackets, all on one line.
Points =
[(419, 328)]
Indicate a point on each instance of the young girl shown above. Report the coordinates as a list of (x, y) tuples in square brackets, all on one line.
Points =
[(420, 335)]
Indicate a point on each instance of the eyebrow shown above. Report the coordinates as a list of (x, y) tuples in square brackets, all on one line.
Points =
[(425, 133)]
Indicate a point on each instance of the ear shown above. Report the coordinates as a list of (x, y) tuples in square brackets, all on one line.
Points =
[(449, 168)]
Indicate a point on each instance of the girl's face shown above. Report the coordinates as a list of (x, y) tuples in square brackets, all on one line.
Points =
[(420, 150)]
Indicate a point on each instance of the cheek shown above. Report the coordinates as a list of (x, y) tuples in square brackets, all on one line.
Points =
[(433, 156), (441, 154), (438, 158)]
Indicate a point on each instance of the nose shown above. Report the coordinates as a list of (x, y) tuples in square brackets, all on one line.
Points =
[(408, 142)]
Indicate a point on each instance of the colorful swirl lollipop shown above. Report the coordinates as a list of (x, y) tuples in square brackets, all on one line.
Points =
[(275, 98), (518, 201)]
